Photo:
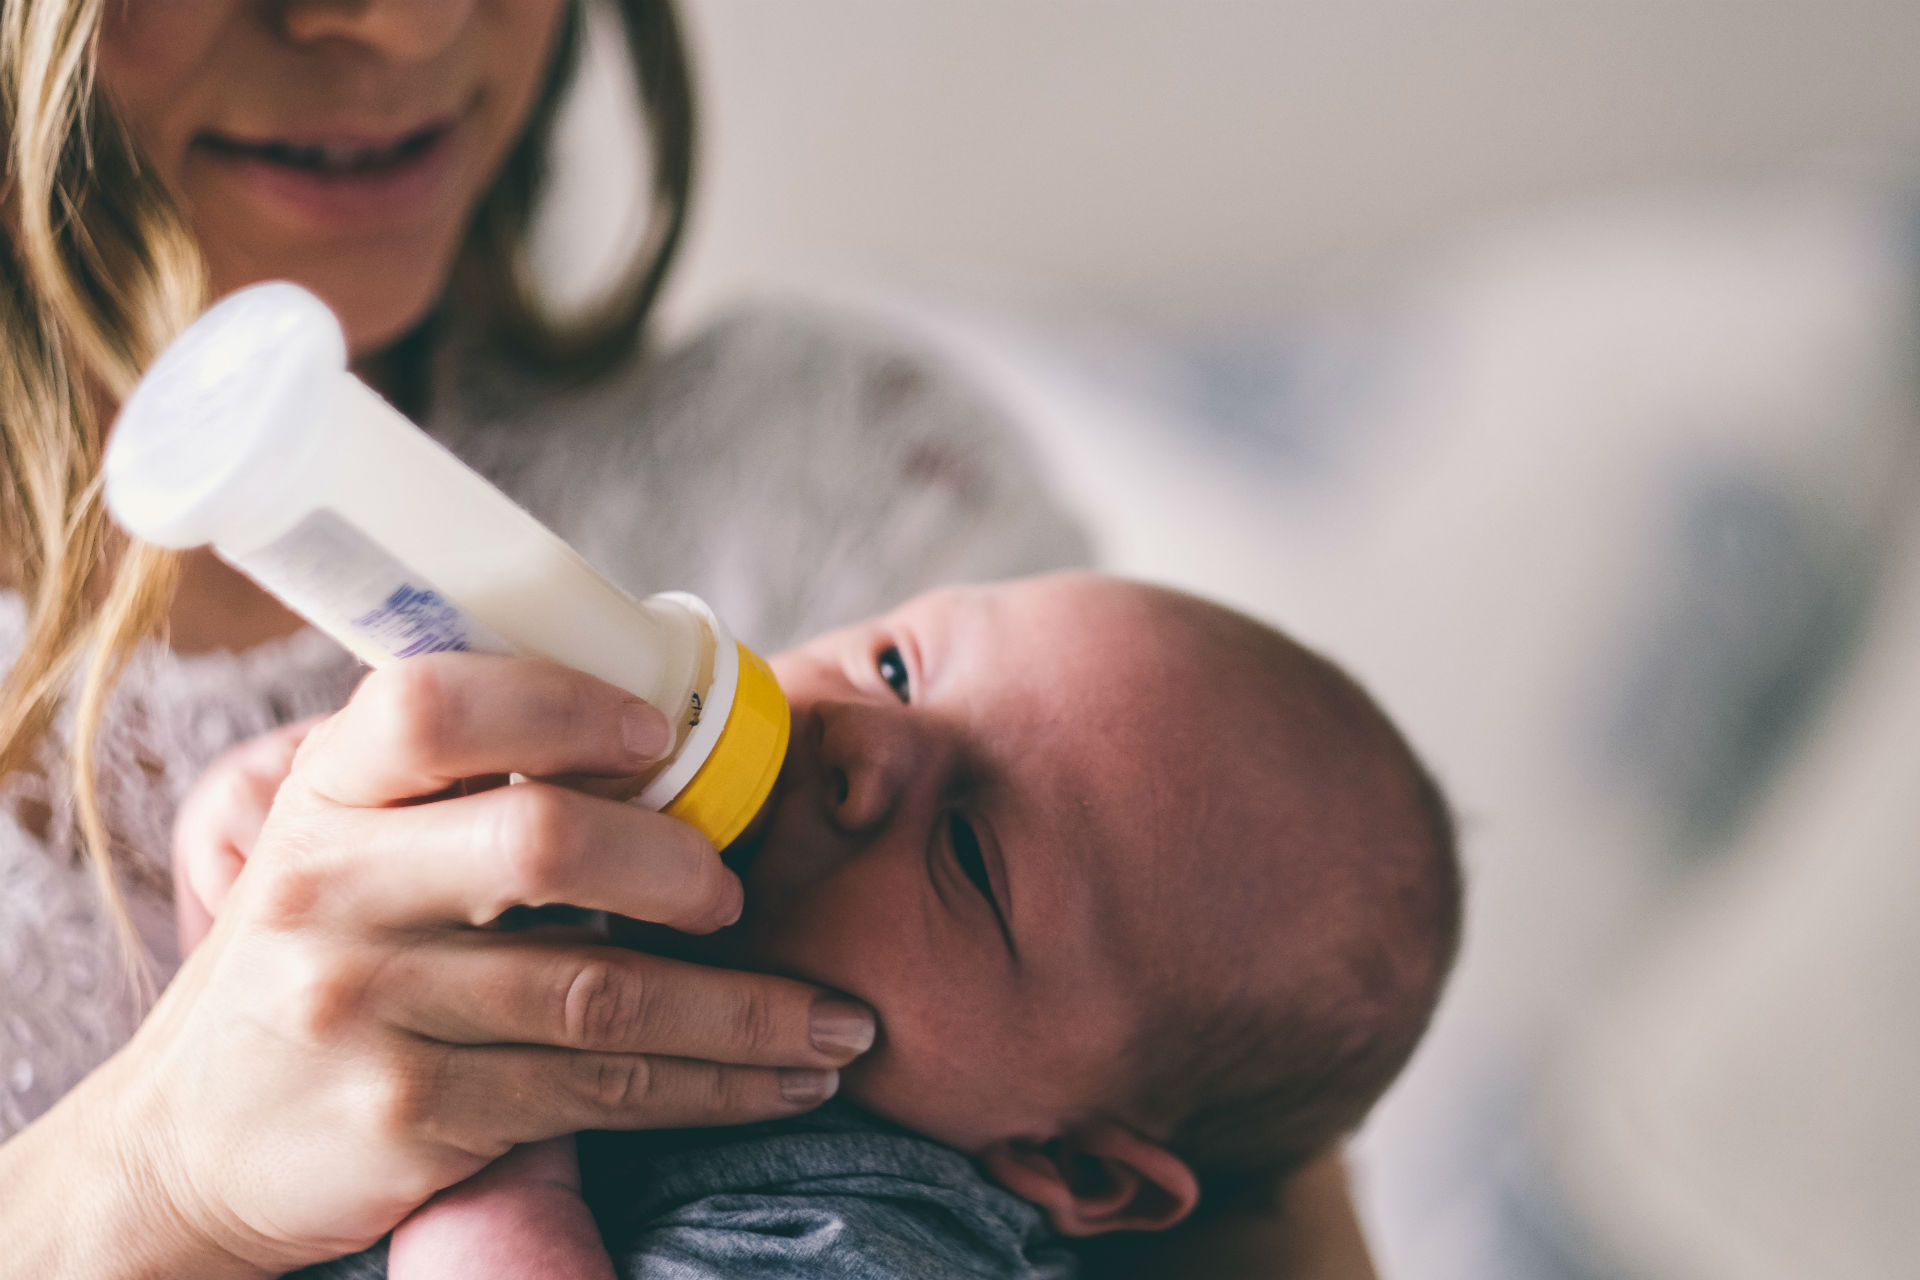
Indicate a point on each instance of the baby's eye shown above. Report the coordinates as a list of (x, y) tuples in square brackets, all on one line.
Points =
[(966, 852), (894, 671)]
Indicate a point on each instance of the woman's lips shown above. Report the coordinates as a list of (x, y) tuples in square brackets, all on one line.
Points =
[(340, 181)]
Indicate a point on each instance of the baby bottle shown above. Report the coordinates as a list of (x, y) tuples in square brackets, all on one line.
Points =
[(250, 434)]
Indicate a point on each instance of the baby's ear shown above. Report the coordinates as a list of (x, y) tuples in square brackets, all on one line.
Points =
[(1095, 1177)]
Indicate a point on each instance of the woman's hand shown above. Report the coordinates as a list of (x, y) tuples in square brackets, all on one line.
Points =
[(347, 1040)]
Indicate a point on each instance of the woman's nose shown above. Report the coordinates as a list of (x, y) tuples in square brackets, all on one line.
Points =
[(404, 30), (868, 757)]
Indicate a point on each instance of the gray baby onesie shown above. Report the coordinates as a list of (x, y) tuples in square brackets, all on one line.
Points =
[(834, 1195)]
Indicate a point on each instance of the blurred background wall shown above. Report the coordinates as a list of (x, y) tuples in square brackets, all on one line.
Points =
[(1202, 158), (1552, 364)]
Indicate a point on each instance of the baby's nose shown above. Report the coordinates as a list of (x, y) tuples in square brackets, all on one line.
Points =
[(868, 757), (858, 802)]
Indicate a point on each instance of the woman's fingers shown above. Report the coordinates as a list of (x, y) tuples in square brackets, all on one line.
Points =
[(415, 728), (608, 1000), (514, 1094), (469, 858)]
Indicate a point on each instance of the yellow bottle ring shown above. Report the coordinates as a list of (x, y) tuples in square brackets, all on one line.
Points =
[(740, 771)]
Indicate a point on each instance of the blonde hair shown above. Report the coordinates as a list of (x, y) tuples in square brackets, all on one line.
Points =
[(98, 269)]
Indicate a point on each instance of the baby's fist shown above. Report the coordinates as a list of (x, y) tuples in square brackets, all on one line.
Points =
[(221, 818)]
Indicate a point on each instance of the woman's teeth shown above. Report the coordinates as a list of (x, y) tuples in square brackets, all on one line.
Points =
[(330, 159)]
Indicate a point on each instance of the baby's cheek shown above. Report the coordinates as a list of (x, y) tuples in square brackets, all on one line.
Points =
[(949, 1061), (955, 1078)]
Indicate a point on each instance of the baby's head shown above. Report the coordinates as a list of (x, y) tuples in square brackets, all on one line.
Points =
[(1144, 894)]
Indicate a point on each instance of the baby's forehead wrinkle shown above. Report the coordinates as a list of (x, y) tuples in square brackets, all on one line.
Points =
[(1083, 748), (1112, 851), (1216, 779), (1062, 895)]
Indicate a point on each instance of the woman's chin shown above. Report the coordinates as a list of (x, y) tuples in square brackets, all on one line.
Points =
[(374, 321), (379, 297)]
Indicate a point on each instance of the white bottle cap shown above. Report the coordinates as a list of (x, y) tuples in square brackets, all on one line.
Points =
[(239, 399)]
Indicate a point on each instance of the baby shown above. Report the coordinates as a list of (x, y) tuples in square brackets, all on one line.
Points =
[(1151, 904)]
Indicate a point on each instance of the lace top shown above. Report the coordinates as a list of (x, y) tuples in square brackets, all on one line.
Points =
[(795, 468)]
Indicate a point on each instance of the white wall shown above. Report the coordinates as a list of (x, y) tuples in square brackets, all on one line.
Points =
[(1205, 158)]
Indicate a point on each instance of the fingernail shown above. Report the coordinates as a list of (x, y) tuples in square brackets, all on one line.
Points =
[(841, 1027), (804, 1088), (645, 732)]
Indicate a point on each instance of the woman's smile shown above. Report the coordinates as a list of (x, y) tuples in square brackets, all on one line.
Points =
[(339, 178), (346, 147)]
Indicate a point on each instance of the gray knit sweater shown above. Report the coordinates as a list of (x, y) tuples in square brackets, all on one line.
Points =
[(796, 468)]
